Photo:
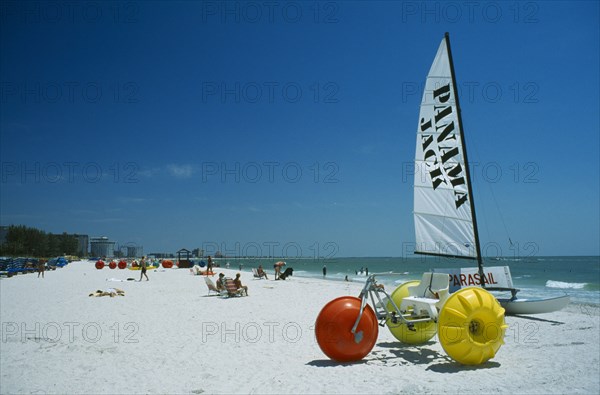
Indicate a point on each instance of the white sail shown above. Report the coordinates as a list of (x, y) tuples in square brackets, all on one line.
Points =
[(442, 206)]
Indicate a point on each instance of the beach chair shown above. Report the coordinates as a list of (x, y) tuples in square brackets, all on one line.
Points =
[(211, 286), (427, 298), (231, 289), (288, 272)]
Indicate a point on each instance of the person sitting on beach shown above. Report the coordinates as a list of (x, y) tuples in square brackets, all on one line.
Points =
[(239, 286), (261, 272), (221, 282)]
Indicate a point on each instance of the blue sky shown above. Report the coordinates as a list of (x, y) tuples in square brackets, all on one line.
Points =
[(290, 127)]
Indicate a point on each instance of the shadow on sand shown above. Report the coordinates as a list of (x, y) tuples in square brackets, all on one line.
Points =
[(454, 367), (528, 317), (413, 354), (404, 354), (325, 363), (438, 362)]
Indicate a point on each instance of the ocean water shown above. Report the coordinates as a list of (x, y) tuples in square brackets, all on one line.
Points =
[(535, 277)]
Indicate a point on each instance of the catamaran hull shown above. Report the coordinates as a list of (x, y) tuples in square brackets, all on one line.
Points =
[(534, 306)]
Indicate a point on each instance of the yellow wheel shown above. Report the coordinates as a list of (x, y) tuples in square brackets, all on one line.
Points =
[(423, 330), (471, 326)]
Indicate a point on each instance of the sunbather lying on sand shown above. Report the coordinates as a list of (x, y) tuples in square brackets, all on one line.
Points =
[(112, 292), (195, 270)]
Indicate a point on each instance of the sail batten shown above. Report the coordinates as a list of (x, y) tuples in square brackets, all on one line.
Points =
[(444, 255), (441, 216), (443, 211)]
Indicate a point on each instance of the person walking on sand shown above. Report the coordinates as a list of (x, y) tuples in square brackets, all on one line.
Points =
[(324, 270), (143, 266)]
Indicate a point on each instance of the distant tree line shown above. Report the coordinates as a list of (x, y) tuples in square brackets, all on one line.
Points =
[(24, 241)]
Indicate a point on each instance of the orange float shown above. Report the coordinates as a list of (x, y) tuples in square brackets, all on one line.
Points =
[(99, 265), (167, 264), (112, 265), (333, 329), (122, 265)]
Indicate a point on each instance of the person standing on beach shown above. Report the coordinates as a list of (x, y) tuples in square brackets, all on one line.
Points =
[(324, 270), (41, 267), (143, 266), (209, 266)]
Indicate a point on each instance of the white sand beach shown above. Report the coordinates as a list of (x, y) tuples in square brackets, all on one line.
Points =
[(167, 336)]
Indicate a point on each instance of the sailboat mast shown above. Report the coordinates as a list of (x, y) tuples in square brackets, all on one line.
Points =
[(467, 171)]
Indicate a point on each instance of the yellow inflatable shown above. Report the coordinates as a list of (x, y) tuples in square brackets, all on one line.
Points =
[(139, 268), (423, 330), (471, 326)]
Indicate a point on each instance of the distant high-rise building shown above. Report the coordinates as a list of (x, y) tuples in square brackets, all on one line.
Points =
[(102, 247), (135, 251), (82, 244)]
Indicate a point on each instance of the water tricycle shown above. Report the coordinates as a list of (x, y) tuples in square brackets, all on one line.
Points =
[(469, 323)]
